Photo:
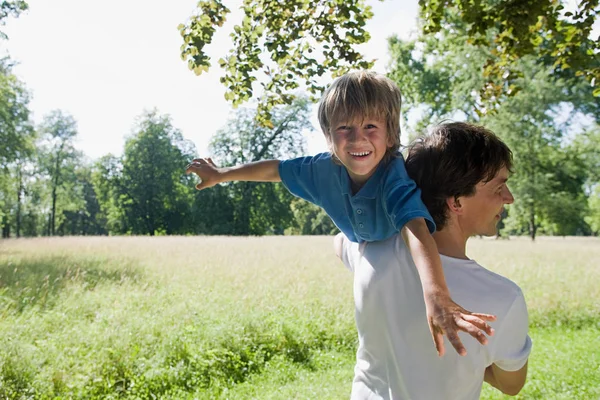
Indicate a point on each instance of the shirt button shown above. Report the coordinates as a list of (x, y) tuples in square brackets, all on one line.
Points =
[(359, 211), (361, 226)]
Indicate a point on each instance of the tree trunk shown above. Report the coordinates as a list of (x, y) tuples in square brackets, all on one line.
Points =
[(242, 220), (5, 227), (532, 227), (19, 195), (54, 187), (53, 212)]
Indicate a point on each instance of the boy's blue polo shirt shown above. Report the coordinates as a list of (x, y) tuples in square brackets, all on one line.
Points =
[(386, 202)]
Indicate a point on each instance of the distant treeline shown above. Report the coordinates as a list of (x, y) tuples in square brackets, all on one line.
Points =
[(549, 118), (51, 189)]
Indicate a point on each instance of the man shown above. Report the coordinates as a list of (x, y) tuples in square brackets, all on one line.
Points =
[(462, 171)]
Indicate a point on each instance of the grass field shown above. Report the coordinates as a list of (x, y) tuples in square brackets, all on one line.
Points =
[(243, 318)]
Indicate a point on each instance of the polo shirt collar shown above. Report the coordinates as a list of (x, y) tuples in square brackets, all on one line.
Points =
[(369, 189)]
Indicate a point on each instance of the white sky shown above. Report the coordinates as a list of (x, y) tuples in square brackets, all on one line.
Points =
[(105, 62)]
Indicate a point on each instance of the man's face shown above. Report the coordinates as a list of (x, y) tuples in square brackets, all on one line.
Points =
[(480, 213), (360, 145)]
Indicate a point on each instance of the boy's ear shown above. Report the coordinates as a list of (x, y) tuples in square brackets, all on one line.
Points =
[(329, 142), (454, 205), (390, 142)]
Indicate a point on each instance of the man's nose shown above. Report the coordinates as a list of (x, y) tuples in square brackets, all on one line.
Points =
[(508, 197)]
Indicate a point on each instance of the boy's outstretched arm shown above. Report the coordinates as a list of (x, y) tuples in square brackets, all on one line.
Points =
[(210, 174), (444, 316)]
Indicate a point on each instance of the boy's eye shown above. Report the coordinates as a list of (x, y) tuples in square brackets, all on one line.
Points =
[(372, 125)]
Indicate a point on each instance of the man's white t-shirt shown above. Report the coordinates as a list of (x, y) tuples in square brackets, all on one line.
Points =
[(396, 357)]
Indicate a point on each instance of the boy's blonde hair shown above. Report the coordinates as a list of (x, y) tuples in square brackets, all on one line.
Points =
[(362, 94)]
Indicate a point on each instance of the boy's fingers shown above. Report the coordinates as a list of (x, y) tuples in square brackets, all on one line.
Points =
[(486, 317), (191, 168), (438, 340), (472, 330), (194, 165), (456, 343), (479, 323)]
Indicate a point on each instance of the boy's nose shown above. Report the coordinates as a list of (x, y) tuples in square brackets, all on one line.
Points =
[(356, 135)]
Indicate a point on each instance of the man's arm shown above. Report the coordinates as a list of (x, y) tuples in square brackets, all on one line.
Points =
[(210, 174), (444, 316), (508, 382), (511, 348)]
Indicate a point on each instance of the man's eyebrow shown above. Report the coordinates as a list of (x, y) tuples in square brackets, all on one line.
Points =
[(498, 180)]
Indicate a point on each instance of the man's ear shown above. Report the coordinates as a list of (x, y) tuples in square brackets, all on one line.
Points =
[(454, 205)]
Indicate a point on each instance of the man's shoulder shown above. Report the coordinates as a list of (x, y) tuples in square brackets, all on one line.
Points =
[(472, 276)]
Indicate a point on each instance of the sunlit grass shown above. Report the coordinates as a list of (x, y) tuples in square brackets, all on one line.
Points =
[(239, 318)]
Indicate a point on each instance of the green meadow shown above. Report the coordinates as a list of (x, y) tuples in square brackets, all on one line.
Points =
[(251, 317)]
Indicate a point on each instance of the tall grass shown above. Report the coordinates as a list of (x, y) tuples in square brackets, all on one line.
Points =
[(271, 317)]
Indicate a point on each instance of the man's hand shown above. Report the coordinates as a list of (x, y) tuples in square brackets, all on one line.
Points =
[(206, 170), (445, 317)]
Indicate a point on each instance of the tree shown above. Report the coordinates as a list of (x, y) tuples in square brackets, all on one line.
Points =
[(299, 41), (439, 75), (310, 219), (16, 131), (514, 29), (303, 39), (16, 136), (107, 181), (11, 8), (14, 181), (261, 208), (587, 145), (214, 211), (58, 156), (153, 192), (82, 214), (593, 218)]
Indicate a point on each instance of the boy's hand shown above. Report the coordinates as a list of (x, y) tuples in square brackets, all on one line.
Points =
[(206, 170), (445, 317)]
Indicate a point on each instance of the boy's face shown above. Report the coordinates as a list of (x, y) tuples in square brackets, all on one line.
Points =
[(481, 211), (360, 145)]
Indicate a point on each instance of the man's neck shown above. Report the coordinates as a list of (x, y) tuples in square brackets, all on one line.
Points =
[(451, 242)]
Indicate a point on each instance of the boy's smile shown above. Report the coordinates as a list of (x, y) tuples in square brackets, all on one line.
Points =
[(360, 145)]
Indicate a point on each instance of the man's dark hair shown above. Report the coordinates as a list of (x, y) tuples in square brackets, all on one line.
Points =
[(451, 161)]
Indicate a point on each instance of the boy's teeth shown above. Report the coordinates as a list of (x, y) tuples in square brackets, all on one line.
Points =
[(364, 153)]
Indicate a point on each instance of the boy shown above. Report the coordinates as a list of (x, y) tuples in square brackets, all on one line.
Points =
[(363, 186)]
